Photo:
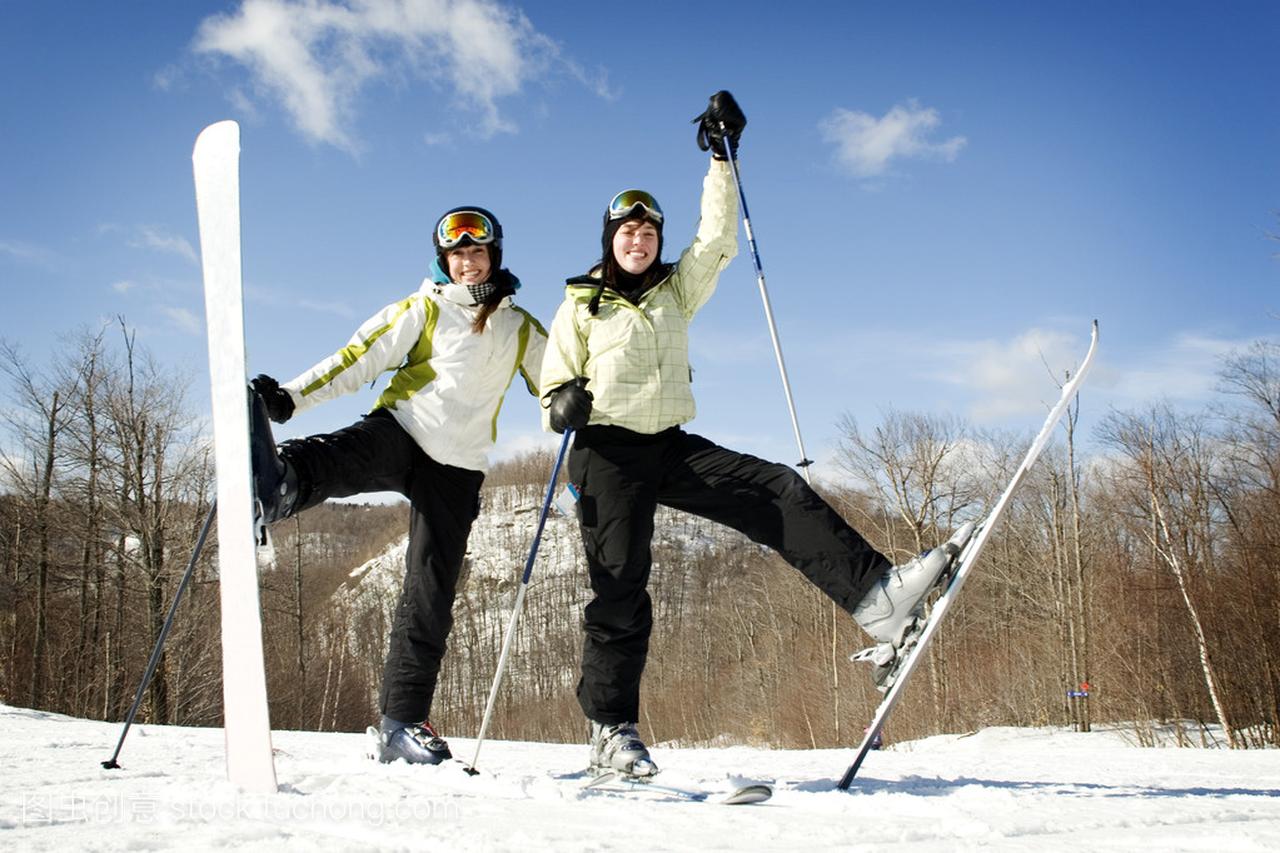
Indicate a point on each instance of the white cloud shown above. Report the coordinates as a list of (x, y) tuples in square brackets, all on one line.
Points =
[(315, 56), (513, 443), (290, 299), (338, 309), (1015, 377), (26, 253), (1183, 369), (150, 237), (167, 79), (990, 381), (124, 286), (866, 146), (185, 320), (242, 103)]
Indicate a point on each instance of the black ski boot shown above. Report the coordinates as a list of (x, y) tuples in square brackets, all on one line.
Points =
[(275, 481), (415, 743)]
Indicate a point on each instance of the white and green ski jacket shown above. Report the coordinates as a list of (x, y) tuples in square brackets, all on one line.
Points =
[(449, 382), (636, 356)]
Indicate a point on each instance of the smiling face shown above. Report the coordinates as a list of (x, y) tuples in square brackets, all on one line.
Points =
[(635, 246), (469, 264)]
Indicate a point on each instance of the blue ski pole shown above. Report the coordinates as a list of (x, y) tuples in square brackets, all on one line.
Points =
[(805, 461), (519, 605)]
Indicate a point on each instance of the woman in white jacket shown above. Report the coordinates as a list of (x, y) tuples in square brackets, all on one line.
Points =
[(454, 347)]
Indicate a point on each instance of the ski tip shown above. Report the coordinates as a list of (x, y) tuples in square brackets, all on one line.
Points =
[(218, 135), (220, 128), (594, 779), (748, 795)]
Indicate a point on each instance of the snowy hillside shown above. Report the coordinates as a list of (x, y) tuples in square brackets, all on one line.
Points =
[(544, 665), (1004, 789), (499, 545)]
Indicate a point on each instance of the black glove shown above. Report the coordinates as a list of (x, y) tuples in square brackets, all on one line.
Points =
[(721, 124), (570, 405), (279, 403)]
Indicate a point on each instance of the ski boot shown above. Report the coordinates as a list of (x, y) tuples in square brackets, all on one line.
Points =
[(893, 612), (889, 609), (617, 749), (416, 743), (275, 482)]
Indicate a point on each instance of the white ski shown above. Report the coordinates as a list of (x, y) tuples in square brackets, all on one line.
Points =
[(621, 783), (964, 565), (216, 161)]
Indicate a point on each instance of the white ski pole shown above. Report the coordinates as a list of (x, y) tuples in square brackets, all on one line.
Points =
[(805, 461), (519, 605)]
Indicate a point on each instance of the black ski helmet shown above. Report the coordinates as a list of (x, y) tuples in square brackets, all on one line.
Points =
[(494, 247)]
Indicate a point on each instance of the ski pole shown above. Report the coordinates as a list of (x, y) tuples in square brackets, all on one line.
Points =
[(805, 461), (110, 764), (515, 610)]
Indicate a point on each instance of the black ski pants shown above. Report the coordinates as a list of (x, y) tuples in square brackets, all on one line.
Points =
[(377, 455), (623, 476)]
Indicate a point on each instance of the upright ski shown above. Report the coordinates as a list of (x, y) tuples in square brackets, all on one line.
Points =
[(216, 161), (963, 565)]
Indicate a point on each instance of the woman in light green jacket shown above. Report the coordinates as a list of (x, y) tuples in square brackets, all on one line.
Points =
[(617, 372)]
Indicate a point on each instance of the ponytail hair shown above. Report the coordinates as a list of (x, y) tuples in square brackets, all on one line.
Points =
[(485, 312), (504, 284)]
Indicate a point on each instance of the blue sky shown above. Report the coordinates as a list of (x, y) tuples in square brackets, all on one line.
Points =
[(944, 194)]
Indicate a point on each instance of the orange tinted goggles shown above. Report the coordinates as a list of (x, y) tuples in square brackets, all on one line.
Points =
[(467, 223)]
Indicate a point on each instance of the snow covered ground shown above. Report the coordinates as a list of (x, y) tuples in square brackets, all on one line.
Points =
[(1009, 789)]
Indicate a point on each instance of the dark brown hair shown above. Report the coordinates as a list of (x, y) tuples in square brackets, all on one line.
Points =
[(486, 311)]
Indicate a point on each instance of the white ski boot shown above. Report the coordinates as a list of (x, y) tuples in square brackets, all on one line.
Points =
[(618, 749), (892, 606)]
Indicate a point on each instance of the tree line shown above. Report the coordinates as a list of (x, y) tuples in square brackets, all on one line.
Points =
[(1146, 569)]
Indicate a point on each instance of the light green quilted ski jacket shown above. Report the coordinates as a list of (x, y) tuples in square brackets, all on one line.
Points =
[(637, 356)]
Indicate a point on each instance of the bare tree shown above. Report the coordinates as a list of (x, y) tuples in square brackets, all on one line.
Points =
[(1170, 463), (1249, 494), (88, 367), (914, 465), (160, 469), (39, 422)]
